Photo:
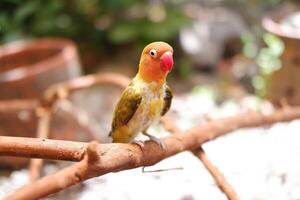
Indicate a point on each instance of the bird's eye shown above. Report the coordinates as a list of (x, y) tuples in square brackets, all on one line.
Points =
[(153, 53)]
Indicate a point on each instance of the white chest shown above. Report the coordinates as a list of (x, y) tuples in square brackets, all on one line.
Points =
[(149, 110)]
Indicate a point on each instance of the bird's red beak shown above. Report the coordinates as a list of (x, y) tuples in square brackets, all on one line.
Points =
[(167, 62)]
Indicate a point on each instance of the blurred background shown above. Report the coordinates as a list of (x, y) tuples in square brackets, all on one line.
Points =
[(220, 37), (230, 56)]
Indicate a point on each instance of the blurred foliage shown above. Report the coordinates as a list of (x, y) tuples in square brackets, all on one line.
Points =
[(264, 48), (206, 91), (95, 22), (250, 47), (105, 23), (268, 60)]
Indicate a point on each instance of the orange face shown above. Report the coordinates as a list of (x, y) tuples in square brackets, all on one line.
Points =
[(156, 62)]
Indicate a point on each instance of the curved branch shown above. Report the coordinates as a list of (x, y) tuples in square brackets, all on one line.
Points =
[(62, 90), (118, 157), (219, 178)]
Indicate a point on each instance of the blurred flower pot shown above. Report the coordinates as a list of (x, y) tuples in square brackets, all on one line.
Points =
[(26, 70), (285, 83)]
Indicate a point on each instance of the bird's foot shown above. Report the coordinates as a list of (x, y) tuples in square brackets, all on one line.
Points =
[(157, 140), (141, 144)]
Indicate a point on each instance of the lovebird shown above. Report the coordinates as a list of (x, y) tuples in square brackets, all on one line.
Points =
[(146, 98)]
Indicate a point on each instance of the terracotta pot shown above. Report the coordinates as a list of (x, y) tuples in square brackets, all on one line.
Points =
[(284, 83), (27, 68)]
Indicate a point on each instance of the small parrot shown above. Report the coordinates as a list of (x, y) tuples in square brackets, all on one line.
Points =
[(146, 98)]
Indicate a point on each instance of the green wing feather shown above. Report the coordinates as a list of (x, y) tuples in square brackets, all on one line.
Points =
[(167, 100), (126, 107)]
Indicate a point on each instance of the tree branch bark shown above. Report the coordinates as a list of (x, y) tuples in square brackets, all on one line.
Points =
[(106, 158), (219, 178), (43, 130), (62, 90), (42, 148)]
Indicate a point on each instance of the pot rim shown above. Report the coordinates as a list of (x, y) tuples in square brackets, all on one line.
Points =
[(271, 22), (67, 51)]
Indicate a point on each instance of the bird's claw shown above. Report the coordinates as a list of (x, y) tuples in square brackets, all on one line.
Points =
[(161, 144), (141, 144)]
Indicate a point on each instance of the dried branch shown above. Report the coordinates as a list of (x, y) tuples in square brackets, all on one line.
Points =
[(170, 124), (50, 96), (7, 105), (118, 157), (42, 148), (62, 90), (161, 170), (220, 180), (43, 130), (82, 117), (35, 167), (62, 179)]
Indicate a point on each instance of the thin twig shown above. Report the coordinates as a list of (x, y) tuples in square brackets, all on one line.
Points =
[(62, 90), (43, 130), (161, 170), (219, 178), (169, 124), (82, 117), (224, 186)]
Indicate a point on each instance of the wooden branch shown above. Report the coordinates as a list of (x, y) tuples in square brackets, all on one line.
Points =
[(13, 105), (77, 114), (106, 158), (60, 180), (43, 130), (169, 124), (41, 148), (220, 180), (62, 90)]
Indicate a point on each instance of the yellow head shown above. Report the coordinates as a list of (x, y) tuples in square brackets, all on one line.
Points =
[(156, 62)]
